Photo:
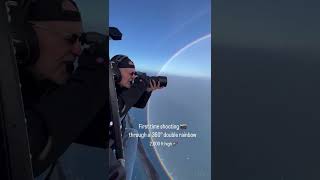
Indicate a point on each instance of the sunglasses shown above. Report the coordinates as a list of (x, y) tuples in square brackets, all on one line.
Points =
[(71, 38)]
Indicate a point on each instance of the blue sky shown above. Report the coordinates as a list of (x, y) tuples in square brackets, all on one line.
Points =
[(153, 31)]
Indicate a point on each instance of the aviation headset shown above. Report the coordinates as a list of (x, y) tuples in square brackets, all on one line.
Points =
[(120, 61), (24, 37)]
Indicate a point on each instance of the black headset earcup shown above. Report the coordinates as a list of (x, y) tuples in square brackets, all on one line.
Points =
[(116, 60), (116, 71), (33, 41), (117, 75), (26, 44)]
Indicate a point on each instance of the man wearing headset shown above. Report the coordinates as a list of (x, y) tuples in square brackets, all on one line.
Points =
[(132, 91), (62, 106)]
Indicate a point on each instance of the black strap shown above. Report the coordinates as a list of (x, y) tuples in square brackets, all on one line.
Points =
[(51, 170), (123, 124)]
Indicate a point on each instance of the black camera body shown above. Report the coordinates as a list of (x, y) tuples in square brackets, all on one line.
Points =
[(98, 44), (161, 79)]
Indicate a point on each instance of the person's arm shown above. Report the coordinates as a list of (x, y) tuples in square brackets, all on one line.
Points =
[(130, 97), (142, 102), (146, 95), (96, 133)]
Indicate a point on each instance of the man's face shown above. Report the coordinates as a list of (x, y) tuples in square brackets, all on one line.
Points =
[(56, 49), (127, 76)]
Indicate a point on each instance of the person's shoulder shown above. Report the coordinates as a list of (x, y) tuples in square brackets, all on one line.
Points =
[(120, 89)]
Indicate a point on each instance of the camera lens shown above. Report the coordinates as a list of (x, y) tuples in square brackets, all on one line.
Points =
[(161, 79)]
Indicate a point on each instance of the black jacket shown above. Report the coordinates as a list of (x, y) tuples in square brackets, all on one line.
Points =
[(136, 96), (59, 115)]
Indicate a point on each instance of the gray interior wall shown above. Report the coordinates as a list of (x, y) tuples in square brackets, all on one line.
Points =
[(266, 114)]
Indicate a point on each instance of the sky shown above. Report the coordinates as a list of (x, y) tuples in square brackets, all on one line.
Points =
[(153, 31)]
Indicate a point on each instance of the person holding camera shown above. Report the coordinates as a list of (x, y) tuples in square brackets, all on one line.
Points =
[(62, 104), (132, 91)]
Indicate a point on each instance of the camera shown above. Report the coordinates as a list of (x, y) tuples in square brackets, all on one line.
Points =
[(162, 79), (114, 33), (97, 42)]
